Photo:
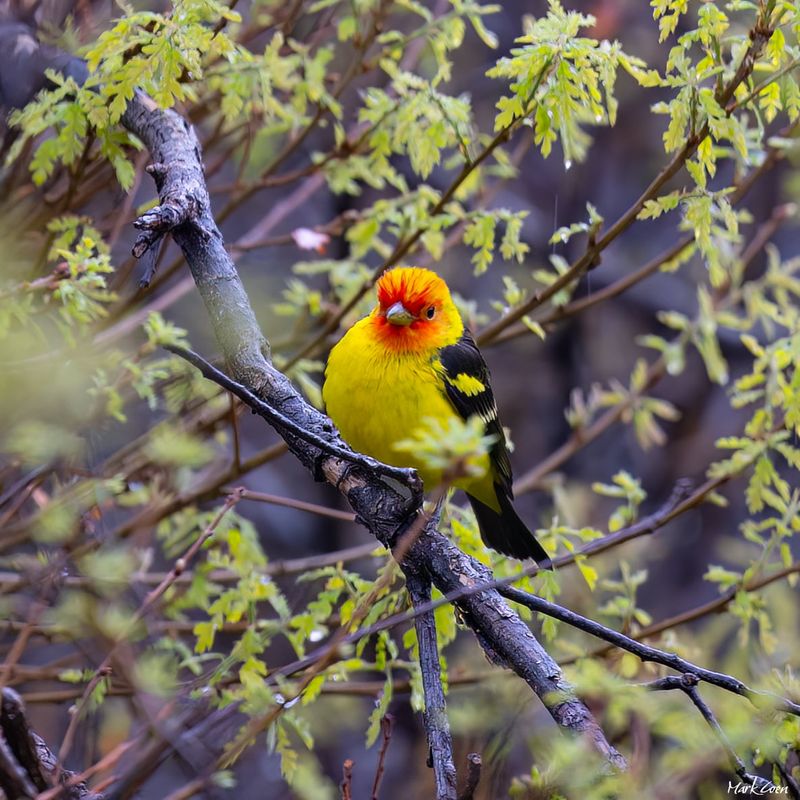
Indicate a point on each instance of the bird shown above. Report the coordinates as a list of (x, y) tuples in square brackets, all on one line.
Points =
[(410, 359)]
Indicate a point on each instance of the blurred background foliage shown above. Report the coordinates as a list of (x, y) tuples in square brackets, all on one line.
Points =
[(611, 192)]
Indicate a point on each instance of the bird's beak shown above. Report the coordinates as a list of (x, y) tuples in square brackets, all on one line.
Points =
[(398, 314)]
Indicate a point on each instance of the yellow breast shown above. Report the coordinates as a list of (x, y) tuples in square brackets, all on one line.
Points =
[(377, 397)]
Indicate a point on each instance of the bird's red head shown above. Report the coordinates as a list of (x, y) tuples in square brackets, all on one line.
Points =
[(415, 310)]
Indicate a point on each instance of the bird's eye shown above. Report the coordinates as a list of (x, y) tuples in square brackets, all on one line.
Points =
[(430, 313)]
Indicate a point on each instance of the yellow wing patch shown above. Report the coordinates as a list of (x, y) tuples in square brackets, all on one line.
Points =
[(467, 384)]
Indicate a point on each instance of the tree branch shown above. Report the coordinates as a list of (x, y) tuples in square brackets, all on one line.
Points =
[(757, 697), (687, 683), (27, 765), (387, 724), (385, 510), (286, 426), (436, 724), (184, 212), (474, 763), (759, 36), (505, 638)]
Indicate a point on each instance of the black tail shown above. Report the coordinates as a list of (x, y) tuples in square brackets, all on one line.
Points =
[(506, 533)]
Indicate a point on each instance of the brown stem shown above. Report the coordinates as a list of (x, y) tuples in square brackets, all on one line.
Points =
[(387, 724), (474, 763)]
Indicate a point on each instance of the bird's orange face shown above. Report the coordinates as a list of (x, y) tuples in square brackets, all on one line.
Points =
[(415, 311)]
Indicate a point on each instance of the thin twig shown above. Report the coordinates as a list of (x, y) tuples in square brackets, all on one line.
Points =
[(581, 436), (347, 779), (590, 258), (150, 599), (329, 653), (299, 505), (757, 697), (387, 725), (237, 447), (474, 763), (283, 423), (190, 789), (687, 683), (13, 581)]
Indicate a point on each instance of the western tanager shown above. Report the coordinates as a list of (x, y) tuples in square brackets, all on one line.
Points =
[(412, 358)]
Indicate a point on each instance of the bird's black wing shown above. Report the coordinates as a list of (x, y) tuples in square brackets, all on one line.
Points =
[(468, 385)]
